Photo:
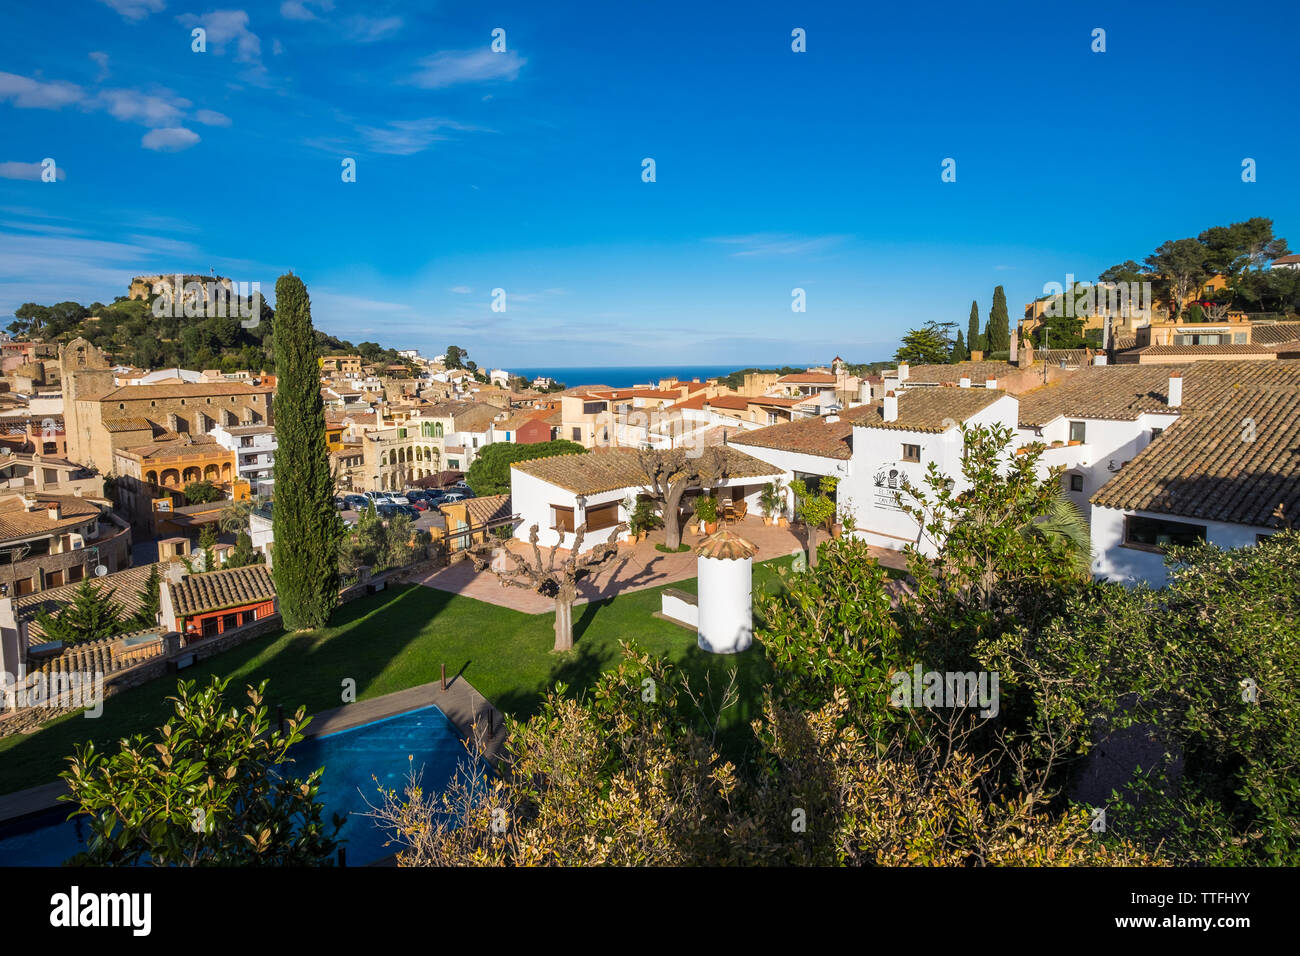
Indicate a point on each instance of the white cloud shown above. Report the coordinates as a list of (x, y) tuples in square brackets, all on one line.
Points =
[(212, 118), (31, 171), (451, 67), (296, 10), (404, 137), (101, 59), (29, 94), (135, 9), (460, 289), (778, 244), (227, 26), (147, 109), (369, 29), (171, 140)]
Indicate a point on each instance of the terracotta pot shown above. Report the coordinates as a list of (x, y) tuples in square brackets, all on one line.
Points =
[(837, 530), (769, 520), (783, 522), (711, 527)]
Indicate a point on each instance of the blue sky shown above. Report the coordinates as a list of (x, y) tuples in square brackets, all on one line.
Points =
[(522, 170)]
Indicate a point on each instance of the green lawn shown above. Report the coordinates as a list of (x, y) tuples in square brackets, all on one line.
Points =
[(397, 639)]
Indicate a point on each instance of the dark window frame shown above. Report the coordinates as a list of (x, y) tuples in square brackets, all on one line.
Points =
[(1141, 521), (911, 456)]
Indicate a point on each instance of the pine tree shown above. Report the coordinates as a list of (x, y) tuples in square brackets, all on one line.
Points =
[(959, 353), (305, 524), (974, 341), (999, 322), (148, 595), (90, 616), (243, 553)]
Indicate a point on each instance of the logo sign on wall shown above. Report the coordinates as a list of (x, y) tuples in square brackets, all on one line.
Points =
[(162, 504), (888, 481)]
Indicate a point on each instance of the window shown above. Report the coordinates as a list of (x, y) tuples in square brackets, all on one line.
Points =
[(1076, 482), (1078, 431), (602, 516), (1238, 338), (577, 434), (1155, 433), (561, 518), (592, 408), (771, 418), (1156, 534), (453, 464), (911, 453)]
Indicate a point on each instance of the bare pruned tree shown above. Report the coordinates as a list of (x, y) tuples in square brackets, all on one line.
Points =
[(669, 474), (1215, 311), (542, 576)]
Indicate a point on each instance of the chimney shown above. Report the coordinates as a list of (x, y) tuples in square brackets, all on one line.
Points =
[(902, 372), (991, 383), (1015, 340), (1175, 389), (977, 355), (832, 419), (1027, 353), (52, 508), (891, 406), (1099, 358), (965, 381)]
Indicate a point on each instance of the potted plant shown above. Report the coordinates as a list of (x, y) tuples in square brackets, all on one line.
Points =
[(642, 518), (772, 500), (706, 509)]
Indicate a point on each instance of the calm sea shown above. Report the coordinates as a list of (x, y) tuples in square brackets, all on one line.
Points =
[(628, 375)]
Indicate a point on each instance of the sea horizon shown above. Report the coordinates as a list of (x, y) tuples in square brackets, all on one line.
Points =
[(625, 376)]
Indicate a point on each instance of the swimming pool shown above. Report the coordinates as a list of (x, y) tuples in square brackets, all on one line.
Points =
[(350, 757)]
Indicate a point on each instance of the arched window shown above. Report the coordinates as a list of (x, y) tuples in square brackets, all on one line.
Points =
[(437, 429)]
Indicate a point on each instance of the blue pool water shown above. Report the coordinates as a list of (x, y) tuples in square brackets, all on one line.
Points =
[(353, 760)]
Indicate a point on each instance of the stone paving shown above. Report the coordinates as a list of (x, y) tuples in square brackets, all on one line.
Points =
[(636, 566)]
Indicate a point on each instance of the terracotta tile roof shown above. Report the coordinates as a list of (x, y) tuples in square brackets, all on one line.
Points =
[(808, 436), (776, 401), (217, 590), (1204, 350), (1202, 467), (465, 416), (977, 372), (127, 425), (1275, 334), (929, 409), (807, 378), (1285, 260), (193, 447), (17, 522), (609, 470), (125, 585), (127, 393), (488, 508), (1123, 392)]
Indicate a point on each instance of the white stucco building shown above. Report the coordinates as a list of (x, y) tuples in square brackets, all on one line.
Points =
[(254, 447)]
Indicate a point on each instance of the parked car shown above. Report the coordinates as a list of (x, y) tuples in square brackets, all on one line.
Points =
[(356, 502), (453, 496), (419, 504)]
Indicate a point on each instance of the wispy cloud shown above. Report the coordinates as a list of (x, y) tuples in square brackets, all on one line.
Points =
[(779, 244), (452, 67), (170, 140), (135, 9), (227, 27), (29, 94), (404, 137), (362, 29), (101, 59), (300, 9), (212, 118), (460, 289), (161, 110), (28, 171)]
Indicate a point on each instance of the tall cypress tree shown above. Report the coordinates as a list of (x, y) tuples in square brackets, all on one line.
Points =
[(304, 562), (999, 323), (973, 339), (959, 353)]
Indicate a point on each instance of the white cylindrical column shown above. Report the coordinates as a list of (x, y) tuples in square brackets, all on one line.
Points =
[(725, 600)]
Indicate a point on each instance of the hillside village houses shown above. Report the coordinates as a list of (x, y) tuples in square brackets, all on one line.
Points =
[(1123, 436)]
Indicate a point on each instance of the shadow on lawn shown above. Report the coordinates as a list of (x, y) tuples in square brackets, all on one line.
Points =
[(306, 669)]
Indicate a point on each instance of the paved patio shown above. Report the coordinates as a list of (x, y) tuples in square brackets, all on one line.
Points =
[(635, 567)]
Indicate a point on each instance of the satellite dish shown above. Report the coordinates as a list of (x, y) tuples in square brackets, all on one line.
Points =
[(100, 570)]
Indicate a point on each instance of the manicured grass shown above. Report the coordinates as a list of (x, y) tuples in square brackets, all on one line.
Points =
[(397, 639)]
